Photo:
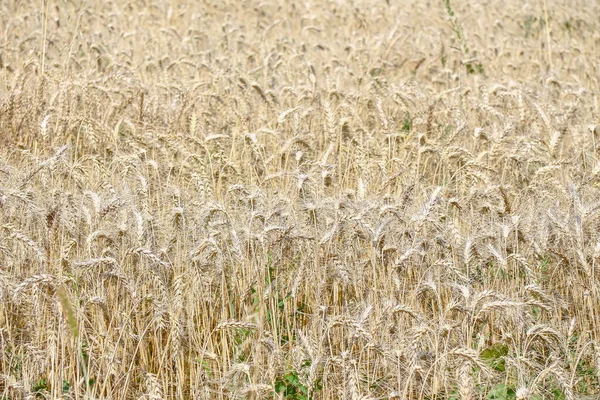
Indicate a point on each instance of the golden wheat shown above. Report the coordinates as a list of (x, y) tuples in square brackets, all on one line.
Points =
[(268, 199)]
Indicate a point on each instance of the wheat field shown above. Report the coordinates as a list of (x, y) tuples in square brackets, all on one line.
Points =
[(299, 200)]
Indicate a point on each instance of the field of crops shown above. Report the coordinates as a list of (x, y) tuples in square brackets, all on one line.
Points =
[(363, 199)]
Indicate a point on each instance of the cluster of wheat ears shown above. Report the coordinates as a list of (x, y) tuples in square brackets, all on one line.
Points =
[(299, 200)]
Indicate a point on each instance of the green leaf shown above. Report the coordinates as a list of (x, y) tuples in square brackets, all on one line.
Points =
[(407, 124), (39, 387), (375, 72), (495, 356), (558, 394), (502, 392)]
